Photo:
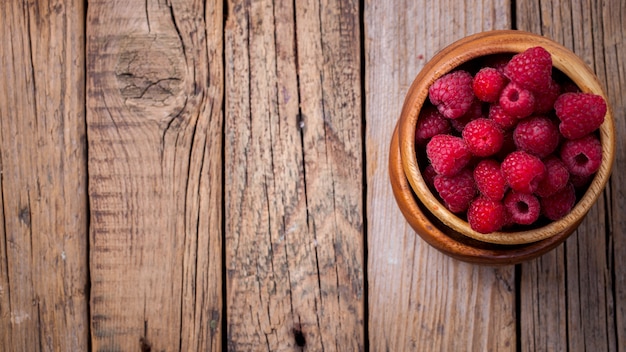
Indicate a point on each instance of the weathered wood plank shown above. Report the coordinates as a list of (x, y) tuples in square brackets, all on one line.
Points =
[(420, 299), (575, 296), (294, 213), (154, 118), (43, 202)]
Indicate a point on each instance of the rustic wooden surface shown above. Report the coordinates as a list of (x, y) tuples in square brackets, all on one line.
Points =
[(180, 175), (44, 286), (154, 122)]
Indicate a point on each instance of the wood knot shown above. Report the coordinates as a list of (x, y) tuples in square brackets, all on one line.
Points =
[(150, 68)]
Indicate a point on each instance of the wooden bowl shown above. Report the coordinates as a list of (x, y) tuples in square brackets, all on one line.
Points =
[(451, 57)]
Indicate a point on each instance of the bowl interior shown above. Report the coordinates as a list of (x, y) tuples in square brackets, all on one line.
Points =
[(479, 45)]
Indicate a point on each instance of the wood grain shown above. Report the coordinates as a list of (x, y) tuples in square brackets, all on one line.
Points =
[(154, 114), (574, 297), (293, 161), (43, 203), (420, 299)]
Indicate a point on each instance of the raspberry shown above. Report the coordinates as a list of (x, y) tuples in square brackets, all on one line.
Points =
[(556, 177), (523, 208), (456, 191), (579, 182), (559, 204), (429, 175), (452, 94), (523, 171), (580, 113), (583, 156), (536, 135), (544, 99), (569, 87), (532, 69), (430, 123), (486, 215), (489, 179), (497, 61), (483, 137), (475, 112), (448, 154), (488, 83), (517, 101), (504, 120)]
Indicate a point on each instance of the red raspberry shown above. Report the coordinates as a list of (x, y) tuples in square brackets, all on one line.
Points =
[(486, 215), (517, 101), (559, 204), (456, 191), (497, 61), (448, 154), (583, 156), (483, 137), (489, 179), (532, 69), (430, 123), (475, 112), (536, 135), (544, 100), (523, 208), (429, 175), (569, 87), (488, 83), (580, 113), (504, 120), (452, 94), (579, 182), (556, 177), (523, 171)]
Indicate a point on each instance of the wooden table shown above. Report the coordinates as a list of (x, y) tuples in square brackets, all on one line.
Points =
[(179, 175)]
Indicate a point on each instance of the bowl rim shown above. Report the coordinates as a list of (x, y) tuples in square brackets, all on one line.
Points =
[(487, 43)]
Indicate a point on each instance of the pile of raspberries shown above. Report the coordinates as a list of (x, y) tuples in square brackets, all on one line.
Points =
[(512, 143)]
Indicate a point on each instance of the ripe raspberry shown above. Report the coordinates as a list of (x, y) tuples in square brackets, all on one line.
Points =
[(579, 182), (486, 215), (523, 208), (523, 171), (536, 135), (488, 83), (569, 87), (559, 204), (429, 175), (483, 137), (583, 156), (456, 191), (556, 177), (448, 154), (489, 179), (475, 112), (497, 61), (544, 100), (517, 101), (452, 94), (532, 69), (580, 113), (430, 123), (504, 120)]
